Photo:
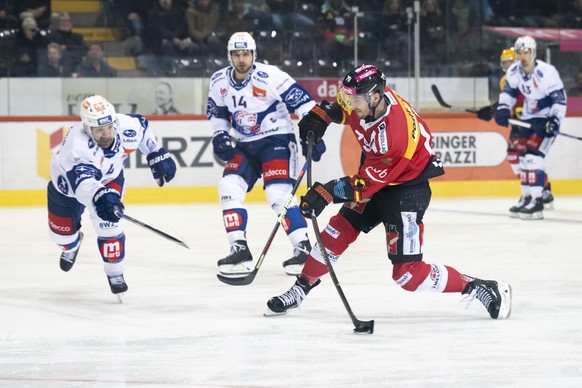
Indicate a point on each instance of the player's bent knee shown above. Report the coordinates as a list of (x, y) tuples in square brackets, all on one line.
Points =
[(232, 188), (410, 275)]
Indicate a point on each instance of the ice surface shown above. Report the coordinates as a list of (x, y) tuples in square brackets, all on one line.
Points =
[(180, 327)]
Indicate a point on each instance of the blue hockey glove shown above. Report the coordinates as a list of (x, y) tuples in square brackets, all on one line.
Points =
[(553, 126), (315, 200), (108, 204), (223, 146), (502, 115), (162, 165), (317, 150)]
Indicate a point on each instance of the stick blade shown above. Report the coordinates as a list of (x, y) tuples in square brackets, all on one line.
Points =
[(239, 280), (364, 327)]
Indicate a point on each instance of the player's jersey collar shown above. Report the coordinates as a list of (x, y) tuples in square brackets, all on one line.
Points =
[(233, 83)]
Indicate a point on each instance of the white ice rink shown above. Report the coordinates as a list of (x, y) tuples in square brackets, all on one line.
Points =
[(180, 327)]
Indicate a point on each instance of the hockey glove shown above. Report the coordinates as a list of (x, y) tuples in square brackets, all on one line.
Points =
[(108, 204), (315, 121), (315, 200), (223, 145), (486, 113), (162, 165), (317, 150), (553, 126), (502, 115)]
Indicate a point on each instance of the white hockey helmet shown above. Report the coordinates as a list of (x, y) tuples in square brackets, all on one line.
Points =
[(96, 111), (525, 42), (241, 41)]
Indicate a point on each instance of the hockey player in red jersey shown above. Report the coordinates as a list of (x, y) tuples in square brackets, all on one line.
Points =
[(390, 187)]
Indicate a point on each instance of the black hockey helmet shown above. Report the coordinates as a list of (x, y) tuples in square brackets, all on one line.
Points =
[(365, 79)]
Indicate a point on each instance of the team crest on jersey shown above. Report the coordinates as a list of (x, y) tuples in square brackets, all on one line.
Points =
[(295, 96), (246, 123), (151, 145), (62, 184)]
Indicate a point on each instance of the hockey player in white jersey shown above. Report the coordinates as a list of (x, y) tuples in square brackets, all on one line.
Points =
[(87, 172), (248, 106), (544, 107)]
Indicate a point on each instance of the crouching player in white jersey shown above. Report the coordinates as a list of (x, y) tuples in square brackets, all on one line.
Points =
[(87, 172), (248, 106), (391, 188), (544, 107)]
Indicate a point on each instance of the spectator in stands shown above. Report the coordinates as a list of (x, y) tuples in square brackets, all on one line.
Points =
[(133, 14), (394, 32), (260, 13), (203, 17), (432, 33), (168, 32), (30, 41), (164, 100), (336, 23), (72, 44), (572, 18), (576, 91), (285, 17), (54, 65), (7, 19), (237, 19), (40, 9), (94, 64)]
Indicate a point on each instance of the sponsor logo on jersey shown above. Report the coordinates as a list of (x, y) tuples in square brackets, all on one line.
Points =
[(232, 220), (91, 143), (216, 75), (435, 276), (279, 173), (130, 133), (258, 92), (223, 92), (62, 185), (392, 239), (262, 74), (151, 144), (276, 169), (107, 225), (234, 163), (60, 225), (382, 138)]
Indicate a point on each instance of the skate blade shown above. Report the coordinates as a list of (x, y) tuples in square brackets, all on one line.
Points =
[(532, 217), (506, 299), (293, 269), (513, 215), (236, 269), (549, 206), (270, 313), (120, 297)]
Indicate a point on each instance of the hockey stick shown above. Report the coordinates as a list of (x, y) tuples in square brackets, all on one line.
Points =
[(152, 229), (523, 124), (359, 326), (439, 98), (248, 279)]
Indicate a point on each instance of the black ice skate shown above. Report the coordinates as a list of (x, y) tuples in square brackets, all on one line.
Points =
[(239, 262), (294, 265), (496, 297), (534, 210), (117, 284), (68, 257), (515, 210), (291, 299), (548, 198)]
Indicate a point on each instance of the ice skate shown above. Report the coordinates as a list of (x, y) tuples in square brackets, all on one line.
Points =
[(294, 265), (118, 285), (496, 297), (534, 210), (68, 257), (238, 262), (514, 211), (548, 198), (291, 299)]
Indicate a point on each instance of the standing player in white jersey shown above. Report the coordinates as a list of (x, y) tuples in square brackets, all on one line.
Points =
[(87, 172), (248, 106), (544, 107)]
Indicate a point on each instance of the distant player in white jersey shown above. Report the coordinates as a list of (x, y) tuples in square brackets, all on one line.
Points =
[(544, 107), (87, 172), (249, 105)]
